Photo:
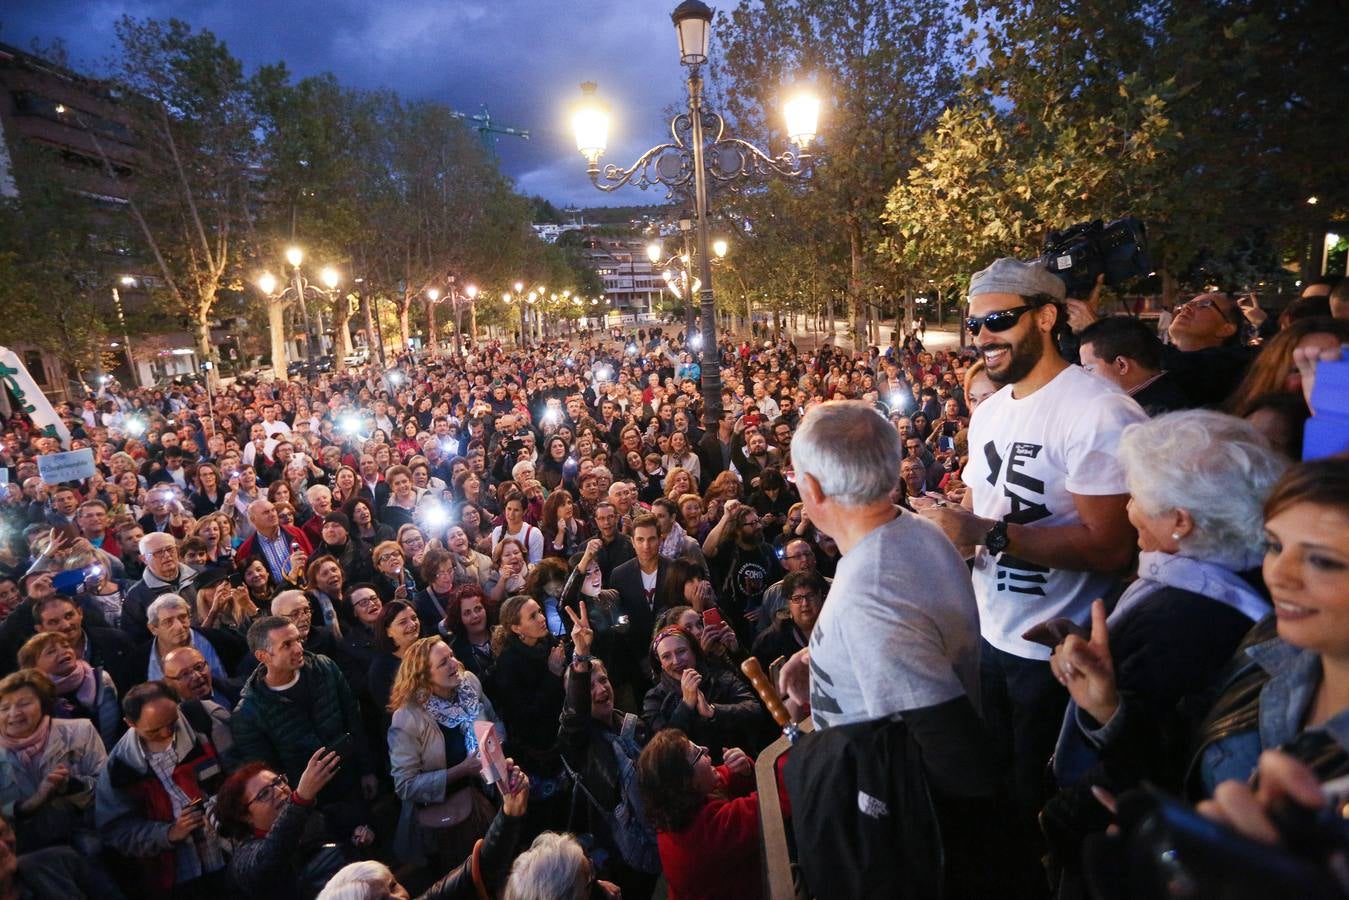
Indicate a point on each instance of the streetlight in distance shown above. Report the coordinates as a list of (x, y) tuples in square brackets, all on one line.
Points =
[(699, 150)]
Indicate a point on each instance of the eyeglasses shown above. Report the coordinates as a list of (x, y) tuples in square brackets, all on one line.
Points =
[(365, 602), (302, 612), (699, 752), (998, 321), (269, 793), (1204, 303), (200, 668), (798, 599), (164, 552)]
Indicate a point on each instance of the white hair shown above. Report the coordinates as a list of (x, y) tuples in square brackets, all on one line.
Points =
[(317, 490), (850, 449), (1215, 467), (364, 880), (143, 545), (287, 596), (169, 602), (549, 870)]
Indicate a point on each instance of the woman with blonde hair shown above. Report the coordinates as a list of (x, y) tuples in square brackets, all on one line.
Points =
[(679, 481), (433, 754), (216, 531)]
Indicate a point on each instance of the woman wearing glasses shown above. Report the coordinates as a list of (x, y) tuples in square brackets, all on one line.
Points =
[(706, 818), (279, 833)]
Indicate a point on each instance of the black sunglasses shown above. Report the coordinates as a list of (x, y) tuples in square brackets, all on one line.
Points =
[(1001, 320)]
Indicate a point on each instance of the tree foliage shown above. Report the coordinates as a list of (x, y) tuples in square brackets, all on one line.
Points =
[(1184, 113), (189, 193), (884, 69)]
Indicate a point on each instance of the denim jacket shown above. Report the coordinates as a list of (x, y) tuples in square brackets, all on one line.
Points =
[(1295, 674)]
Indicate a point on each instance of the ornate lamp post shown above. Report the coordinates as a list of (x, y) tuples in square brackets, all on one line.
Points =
[(699, 150), (296, 292)]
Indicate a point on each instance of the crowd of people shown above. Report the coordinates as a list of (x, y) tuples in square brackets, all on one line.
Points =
[(474, 625)]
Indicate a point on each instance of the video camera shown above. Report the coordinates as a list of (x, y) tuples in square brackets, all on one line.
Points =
[(1083, 251)]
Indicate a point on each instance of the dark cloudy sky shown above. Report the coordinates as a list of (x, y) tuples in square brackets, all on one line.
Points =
[(525, 59)]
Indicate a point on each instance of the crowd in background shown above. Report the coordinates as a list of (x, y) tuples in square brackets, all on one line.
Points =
[(273, 642)]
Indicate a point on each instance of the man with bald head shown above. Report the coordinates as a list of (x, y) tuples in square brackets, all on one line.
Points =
[(188, 672), (283, 549), (1207, 354), (321, 502)]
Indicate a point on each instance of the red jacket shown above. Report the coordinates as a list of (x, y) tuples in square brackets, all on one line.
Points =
[(717, 856), (251, 548)]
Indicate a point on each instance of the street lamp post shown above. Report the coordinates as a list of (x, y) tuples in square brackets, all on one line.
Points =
[(297, 292), (126, 281), (691, 156)]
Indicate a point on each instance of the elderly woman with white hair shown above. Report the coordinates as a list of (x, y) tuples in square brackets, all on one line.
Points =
[(1197, 480)]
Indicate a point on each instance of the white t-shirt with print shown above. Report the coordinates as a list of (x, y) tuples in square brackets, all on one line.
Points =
[(1028, 458)]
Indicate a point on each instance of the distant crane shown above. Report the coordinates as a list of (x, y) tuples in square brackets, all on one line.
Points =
[(487, 132)]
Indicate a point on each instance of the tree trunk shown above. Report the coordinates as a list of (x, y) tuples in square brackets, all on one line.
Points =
[(342, 333), (204, 348), (432, 342), (404, 307), (276, 322), (856, 314), (1170, 289)]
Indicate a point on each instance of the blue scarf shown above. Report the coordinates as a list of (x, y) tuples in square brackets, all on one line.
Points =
[(1219, 583), (460, 712)]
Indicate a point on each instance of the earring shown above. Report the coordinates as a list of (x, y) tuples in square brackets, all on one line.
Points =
[(1175, 535)]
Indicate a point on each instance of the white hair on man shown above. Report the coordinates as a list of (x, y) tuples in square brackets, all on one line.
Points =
[(364, 880), (553, 868), (147, 543), (170, 603), (850, 449), (1216, 468)]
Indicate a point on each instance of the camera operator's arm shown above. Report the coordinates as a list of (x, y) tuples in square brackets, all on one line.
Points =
[(1279, 779), (1082, 313)]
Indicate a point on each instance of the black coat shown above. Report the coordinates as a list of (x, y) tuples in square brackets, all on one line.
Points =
[(529, 698), (633, 667), (1168, 652)]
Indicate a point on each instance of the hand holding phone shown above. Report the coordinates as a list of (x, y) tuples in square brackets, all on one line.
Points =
[(711, 617)]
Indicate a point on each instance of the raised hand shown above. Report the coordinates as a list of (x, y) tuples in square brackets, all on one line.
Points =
[(690, 687), (514, 790), (737, 760), (1086, 669), (582, 635), (320, 769), (557, 659)]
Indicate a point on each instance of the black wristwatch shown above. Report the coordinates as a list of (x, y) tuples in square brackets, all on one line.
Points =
[(997, 540)]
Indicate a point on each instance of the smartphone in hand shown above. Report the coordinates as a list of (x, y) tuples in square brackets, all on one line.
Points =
[(494, 766)]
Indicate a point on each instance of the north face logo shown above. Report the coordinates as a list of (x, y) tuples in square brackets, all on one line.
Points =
[(872, 806)]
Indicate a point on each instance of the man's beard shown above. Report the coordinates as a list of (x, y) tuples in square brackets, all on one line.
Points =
[(1023, 357)]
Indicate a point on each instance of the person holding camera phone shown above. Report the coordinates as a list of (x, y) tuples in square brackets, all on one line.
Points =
[(267, 728), (159, 822)]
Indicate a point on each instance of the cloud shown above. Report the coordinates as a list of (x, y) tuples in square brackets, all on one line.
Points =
[(521, 58)]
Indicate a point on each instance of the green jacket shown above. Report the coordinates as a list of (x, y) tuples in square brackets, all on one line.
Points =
[(271, 726)]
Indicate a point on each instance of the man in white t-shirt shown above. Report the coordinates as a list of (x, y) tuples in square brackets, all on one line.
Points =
[(1044, 517)]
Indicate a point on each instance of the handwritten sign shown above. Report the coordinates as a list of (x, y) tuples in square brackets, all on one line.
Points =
[(76, 465)]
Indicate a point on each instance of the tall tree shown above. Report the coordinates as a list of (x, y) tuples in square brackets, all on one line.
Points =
[(197, 152), (884, 69), (1182, 112)]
